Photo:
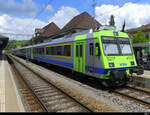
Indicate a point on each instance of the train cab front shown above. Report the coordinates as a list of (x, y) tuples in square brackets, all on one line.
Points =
[(118, 59)]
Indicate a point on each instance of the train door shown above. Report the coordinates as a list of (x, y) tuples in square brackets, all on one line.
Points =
[(26, 53), (90, 58), (31, 53), (79, 61)]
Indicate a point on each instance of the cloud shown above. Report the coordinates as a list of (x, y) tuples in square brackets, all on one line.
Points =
[(135, 15), (27, 26), (11, 24), (49, 8), (28, 7), (64, 15)]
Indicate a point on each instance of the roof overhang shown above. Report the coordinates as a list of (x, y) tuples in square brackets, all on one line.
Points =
[(144, 44)]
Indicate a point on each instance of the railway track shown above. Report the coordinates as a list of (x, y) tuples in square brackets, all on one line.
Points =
[(136, 94), (52, 98)]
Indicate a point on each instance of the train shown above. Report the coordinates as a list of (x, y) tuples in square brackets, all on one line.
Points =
[(106, 55)]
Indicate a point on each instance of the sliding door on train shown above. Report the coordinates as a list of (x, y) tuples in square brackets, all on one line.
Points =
[(79, 61)]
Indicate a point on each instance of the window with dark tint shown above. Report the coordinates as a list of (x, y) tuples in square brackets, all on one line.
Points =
[(67, 50), (81, 50), (59, 50), (23, 51), (91, 49), (28, 51), (77, 50)]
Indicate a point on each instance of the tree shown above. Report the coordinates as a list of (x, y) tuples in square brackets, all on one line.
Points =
[(139, 37)]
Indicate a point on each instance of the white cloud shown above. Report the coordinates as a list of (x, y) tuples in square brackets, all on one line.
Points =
[(63, 16), (49, 8), (135, 15), (28, 7), (10, 24)]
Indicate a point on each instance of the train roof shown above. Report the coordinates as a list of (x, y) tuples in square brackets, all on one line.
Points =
[(66, 39), (59, 40), (144, 44)]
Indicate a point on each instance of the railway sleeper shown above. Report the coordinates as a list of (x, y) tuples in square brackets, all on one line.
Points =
[(46, 92), (51, 95)]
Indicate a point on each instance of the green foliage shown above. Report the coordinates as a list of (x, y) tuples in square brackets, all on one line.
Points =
[(139, 37), (15, 44)]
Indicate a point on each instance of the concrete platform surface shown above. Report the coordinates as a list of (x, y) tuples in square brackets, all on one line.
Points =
[(10, 100), (143, 80)]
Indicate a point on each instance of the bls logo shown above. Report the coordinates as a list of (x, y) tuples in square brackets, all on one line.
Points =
[(123, 64)]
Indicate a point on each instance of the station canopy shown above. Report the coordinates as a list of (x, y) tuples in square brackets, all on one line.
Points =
[(144, 44)]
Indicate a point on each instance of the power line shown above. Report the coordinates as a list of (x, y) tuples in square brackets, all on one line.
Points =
[(94, 21)]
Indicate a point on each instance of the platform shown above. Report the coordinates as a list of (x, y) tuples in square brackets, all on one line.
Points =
[(10, 99), (143, 80)]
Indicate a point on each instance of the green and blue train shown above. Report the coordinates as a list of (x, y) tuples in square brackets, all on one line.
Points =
[(104, 54)]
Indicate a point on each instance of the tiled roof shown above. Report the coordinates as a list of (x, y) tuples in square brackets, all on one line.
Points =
[(38, 30), (82, 21), (50, 30), (143, 28)]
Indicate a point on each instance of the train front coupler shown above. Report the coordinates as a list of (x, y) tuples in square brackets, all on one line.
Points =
[(119, 78)]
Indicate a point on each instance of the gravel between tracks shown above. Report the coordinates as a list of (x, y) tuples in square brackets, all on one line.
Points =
[(100, 101)]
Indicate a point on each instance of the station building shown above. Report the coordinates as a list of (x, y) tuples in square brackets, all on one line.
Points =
[(145, 46), (3, 43), (79, 23)]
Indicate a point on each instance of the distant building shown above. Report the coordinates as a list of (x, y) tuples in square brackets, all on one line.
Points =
[(38, 31), (44, 33), (79, 23), (146, 30)]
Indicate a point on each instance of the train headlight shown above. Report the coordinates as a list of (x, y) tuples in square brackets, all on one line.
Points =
[(111, 65), (132, 63)]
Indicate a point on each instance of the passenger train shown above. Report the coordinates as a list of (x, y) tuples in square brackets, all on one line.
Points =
[(103, 54)]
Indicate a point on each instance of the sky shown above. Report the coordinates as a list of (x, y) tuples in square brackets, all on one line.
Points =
[(21, 17)]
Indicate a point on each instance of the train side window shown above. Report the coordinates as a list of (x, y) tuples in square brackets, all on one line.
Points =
[(59, 50), (42, 51), (91, 49), (77, 50), (81, 50), (67, 50), (48, 51), (97, 47)]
